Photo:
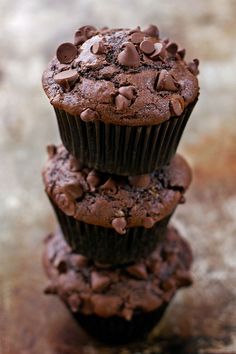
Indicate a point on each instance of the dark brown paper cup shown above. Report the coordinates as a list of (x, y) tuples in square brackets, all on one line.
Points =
[(105, 245), (122, 150), (117, 330)]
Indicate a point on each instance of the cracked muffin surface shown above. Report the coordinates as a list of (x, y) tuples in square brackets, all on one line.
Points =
[(112, 201), (121, 76)]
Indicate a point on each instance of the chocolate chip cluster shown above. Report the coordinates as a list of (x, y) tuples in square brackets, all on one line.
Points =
[(106, 290), (142, 47)]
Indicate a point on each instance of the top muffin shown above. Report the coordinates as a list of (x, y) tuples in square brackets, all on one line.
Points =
[(121, 76)]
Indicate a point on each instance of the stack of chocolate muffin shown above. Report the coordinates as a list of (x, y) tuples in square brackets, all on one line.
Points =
[(122, 99)]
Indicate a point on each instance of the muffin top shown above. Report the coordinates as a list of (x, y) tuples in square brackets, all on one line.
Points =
[(110, 200), (108, 291), (121, 76)]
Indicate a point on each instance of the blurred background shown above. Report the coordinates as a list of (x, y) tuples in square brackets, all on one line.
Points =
[(201, 319)]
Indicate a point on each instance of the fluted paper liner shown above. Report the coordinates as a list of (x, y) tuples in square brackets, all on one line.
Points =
[(122, 150), (105, 245)]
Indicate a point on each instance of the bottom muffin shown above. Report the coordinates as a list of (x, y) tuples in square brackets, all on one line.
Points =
[(117, 304)]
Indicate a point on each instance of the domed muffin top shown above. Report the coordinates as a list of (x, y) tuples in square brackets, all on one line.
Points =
[(121, 76)]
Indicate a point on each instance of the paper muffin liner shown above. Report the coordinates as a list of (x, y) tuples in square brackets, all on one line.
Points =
[(117, 330), (122, 150), (105, 245)]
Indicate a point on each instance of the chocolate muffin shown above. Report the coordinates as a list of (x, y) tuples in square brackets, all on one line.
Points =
[(122, 98), (117, 303), (109, 218)]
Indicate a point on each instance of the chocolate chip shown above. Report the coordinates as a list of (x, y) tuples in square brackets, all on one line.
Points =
[(110, 186), (66, 53), (172, 48), (74, 190), (65, 203), (137, 37), (106, 306), (152, 31), (89, 115), (136, 29), (169, 284), (122, 103), (182, 200), (166, 82), (177, 104), (147, 47), (193, 67), (93, 179), (140, 181), (60, 264), (158, 51), (78, 260), (148, 222), (74, 164), (83, 34), (102, 265), (119, 224), (129, 56), (99, 282), (127, 91), (183, 278), (51, 150), (98, 48), (138, 271), (182, 53), (66, 78)]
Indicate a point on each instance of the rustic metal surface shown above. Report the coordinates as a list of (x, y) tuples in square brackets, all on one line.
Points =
[(201, 319)]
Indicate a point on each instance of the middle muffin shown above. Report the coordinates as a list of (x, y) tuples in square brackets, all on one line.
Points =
[(108, 218)]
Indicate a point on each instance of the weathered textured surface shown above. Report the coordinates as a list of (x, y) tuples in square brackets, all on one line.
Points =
[(201, 319)]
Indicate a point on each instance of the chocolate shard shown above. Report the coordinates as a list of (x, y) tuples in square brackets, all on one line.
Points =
[(119, 224), (177, 105), (166, 82), (84, 33), (66, 53), (98, 48), (89, 115), (122, 103), (152, 31), (147, 47), (66, 78), (193, 67), (129, 56), (127, 91)]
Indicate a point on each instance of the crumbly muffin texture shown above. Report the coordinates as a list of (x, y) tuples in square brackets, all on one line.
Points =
[(107, 291), (113, 201), (121, 76)]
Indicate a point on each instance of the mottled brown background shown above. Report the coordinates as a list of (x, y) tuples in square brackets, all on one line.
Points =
[(201, 319)]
